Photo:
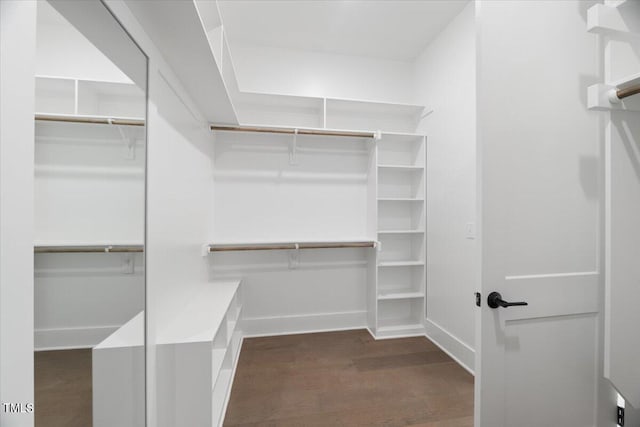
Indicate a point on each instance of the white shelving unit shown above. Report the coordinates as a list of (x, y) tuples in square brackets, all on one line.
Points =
[(69, 98), (400, 278), (199, 353)]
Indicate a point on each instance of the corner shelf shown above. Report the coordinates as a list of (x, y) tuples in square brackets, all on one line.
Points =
[(400, 295)]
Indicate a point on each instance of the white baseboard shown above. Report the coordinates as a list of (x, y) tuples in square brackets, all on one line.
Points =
[(70, 338), (458, 350), (287, 325)]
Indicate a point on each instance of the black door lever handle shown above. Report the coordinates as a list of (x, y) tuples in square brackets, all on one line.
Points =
[(494, 300)]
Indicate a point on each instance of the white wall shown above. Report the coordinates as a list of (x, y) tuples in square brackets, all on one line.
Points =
[(445, 81), (64, 52), (298, 72), (17, 64)]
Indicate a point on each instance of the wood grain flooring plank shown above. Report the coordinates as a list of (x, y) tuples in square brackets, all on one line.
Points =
[(347, 378)]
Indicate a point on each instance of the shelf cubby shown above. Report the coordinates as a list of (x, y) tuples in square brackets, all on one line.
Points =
[(401, 280), (366, 115), (400, 315), (400, 216), (55, 95), (280, 110), (401, 150), (400, 183), (110, 99), (401, 248)]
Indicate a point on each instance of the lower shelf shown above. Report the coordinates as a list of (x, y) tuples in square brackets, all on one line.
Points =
[(400, 329), (398, 263), (401, 325), (400, 295)]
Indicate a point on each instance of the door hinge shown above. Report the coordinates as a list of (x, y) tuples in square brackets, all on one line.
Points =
[(620, 416), (478, 299)]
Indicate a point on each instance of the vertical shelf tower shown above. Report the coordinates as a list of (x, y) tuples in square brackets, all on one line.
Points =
[(400, 276)]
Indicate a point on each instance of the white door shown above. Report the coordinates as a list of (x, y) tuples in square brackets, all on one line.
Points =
[(538, 365)]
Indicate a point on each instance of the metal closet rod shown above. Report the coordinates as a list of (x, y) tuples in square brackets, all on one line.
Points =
[(88, 249), (293, 131), (89, 120), (286, 246), (625, 93)]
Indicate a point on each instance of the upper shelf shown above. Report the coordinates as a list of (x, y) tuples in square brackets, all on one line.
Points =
[(202, 60), (329, 113), (85, 99), (188, 52), (621, 20)]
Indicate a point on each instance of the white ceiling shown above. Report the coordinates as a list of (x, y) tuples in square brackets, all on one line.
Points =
[(387, 29)]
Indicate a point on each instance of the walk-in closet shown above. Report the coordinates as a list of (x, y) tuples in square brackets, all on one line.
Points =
[(319, 213)]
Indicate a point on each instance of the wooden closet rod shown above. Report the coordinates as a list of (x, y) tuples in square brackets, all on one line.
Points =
[(625, 93), (89, 120), (87, 249), (292, 131), (286, 246)]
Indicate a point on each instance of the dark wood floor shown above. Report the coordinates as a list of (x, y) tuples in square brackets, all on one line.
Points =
[(348, 379), (63, 388)]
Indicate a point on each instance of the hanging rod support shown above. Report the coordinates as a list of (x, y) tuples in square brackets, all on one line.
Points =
[(617, 95), (625, 93)]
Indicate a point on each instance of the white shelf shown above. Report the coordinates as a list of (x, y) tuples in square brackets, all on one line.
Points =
[(399, 199), (628, 81), (399, 325), (400, 231), (400, 295), (407, 168), (399, 263), (202, 316)]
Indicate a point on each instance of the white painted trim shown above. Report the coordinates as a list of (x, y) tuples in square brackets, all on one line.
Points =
[(303, 324), (71, 338), (458, 350)]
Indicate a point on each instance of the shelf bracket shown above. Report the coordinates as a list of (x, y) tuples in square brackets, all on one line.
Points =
[(292, 149), (602, 97), (294, 257), (610, 20), (128, 265), (129, 138)]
